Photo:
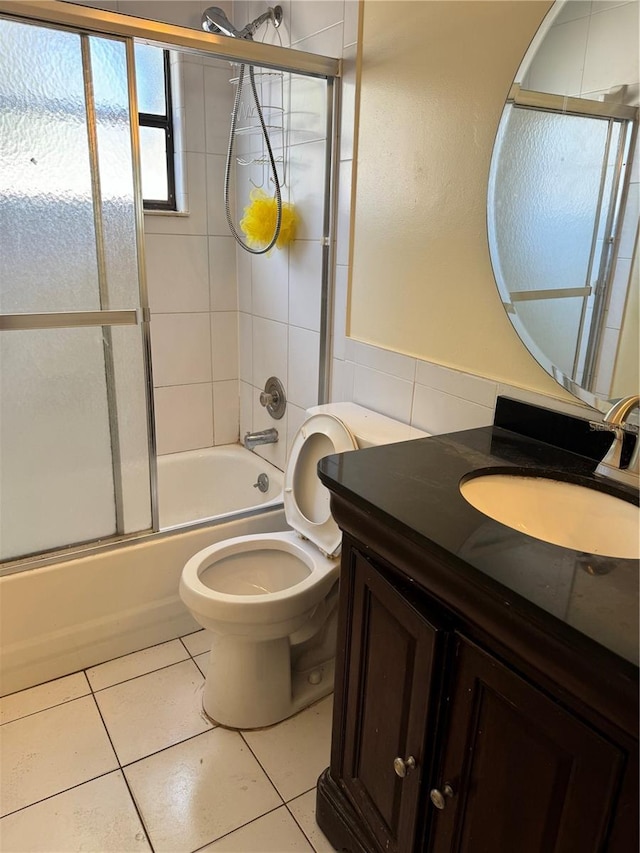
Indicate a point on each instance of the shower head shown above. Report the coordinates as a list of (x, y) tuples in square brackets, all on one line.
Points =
[(214, 20)]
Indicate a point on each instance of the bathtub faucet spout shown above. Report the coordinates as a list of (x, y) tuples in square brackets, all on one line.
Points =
[(264, 436)]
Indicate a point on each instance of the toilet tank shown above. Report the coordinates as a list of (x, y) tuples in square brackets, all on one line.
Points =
[(369, 428)]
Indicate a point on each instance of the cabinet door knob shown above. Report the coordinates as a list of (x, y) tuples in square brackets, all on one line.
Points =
[(402, 766), (438, 797)]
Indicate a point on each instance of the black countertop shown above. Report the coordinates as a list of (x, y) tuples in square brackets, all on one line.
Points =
[(413, 488)]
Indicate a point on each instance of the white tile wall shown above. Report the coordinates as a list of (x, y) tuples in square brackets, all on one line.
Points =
[(177, 273), (304, 348), (184, 417)]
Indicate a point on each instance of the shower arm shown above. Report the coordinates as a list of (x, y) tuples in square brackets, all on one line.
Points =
[(273, 14)]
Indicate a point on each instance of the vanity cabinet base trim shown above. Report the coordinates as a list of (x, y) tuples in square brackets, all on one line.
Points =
[(337, 819)]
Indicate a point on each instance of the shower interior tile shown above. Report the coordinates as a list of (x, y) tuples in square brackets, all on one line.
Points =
[(303, 808), (195, 792), (48, 752), (295, 752), (269, 352), (135, 664), (216, 216), (198, 643), (226, 412), (307, 19), (181, 345), (177, 272), (305, 289), (276, 832), (304, 356), (184, 417), (219, 94), (98, 815), (306, 175), (43, 696), (193, 102), (222, 274), (270, 285), (224, 345), (154, 711)]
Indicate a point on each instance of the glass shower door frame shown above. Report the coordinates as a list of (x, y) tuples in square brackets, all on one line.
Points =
[(105, 318), (92, 21)]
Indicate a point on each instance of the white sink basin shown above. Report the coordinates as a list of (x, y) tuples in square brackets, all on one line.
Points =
[(558, 512)]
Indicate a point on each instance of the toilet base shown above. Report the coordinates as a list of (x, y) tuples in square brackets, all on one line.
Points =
[(250, 685)]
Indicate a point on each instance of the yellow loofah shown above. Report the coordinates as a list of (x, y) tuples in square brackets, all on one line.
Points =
[(259, 221)]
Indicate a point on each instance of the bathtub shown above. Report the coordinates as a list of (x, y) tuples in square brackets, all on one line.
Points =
[(68, 615), (213, 483)]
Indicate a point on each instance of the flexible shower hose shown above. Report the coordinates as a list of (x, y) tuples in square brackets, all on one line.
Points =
[(227, 172)]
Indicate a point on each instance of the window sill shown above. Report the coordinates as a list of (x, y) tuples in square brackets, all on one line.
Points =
[(181, 213)]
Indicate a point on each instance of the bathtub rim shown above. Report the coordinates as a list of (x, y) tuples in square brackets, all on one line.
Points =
[(89, 549)]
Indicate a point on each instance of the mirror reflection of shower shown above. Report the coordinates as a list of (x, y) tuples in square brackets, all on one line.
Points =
[(264, 215)]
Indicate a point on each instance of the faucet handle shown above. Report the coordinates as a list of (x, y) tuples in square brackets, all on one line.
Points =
[(273, 397)]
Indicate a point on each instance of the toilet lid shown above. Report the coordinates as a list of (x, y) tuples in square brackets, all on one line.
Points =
[(306, 500)]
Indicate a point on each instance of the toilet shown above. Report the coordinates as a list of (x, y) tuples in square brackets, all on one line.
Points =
[(270, 600)]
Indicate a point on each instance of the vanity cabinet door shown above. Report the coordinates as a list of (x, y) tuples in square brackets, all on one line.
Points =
[(523, 774), (391, 657)]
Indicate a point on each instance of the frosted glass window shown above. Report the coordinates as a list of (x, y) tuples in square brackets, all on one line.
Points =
[(150, 82), (153, 157), (47, 234), (56, 478)]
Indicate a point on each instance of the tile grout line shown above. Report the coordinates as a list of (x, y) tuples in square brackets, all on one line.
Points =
[(231, 831), (126, 781), (298, 824), (57, 793)]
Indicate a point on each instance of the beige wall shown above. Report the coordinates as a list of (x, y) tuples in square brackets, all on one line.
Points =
[(434, 78)]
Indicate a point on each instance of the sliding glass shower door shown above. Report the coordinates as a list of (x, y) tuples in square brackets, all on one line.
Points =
[(75, 426)]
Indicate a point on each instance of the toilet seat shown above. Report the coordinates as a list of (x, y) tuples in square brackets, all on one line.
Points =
[(306, 499)]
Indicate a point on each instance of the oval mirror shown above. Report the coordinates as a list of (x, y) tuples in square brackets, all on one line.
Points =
[(563, 201)]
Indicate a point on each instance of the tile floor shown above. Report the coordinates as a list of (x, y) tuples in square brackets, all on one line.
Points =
[(121, 758)]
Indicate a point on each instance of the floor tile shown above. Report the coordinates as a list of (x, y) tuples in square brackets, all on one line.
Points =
[(198, 643), (43, 696), (202, 662), (195, 792), (138, 663), (154, 711), (295, 752), (50, 751), (304, 810), (98, 816), (276, 832)]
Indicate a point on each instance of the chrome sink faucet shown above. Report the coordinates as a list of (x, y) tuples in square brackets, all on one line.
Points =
[(264, 436), (616, 422)]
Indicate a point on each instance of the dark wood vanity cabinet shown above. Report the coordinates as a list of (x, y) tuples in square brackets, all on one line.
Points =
[(394, 656), (439, 746)]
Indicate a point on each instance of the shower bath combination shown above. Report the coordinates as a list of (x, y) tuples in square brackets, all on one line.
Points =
[(214, 20)]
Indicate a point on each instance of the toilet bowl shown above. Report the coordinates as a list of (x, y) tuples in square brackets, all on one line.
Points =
[(270, 600)]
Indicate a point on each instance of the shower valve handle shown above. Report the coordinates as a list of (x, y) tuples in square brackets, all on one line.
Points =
[(267, 399), (273, 397)]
